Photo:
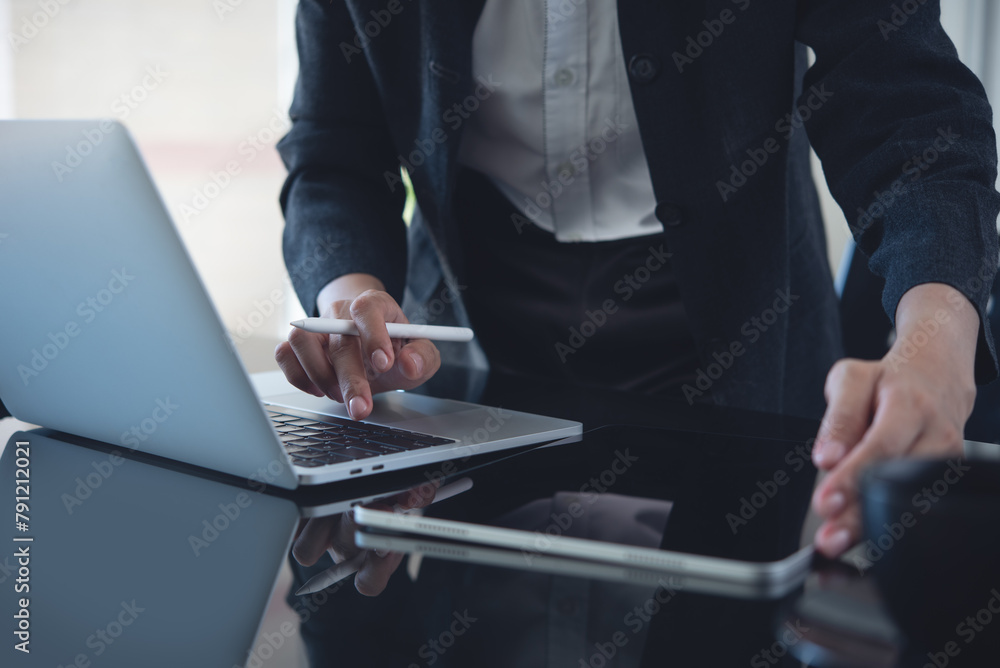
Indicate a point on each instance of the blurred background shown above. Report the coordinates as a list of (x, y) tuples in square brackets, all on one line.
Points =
[(202, 85), (205, 84)]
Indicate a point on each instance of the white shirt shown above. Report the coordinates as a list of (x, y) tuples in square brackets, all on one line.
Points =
[(559, 136), (576, 122)]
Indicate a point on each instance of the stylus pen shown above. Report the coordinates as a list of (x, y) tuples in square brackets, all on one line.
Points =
[(337, 573), (397, 330)]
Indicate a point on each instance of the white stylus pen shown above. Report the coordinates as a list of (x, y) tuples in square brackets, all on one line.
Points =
[(397, 330), (337, 573)]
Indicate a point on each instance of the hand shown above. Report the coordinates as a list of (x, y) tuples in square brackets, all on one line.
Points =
[(913, 402), (349, 369), (335, 534)]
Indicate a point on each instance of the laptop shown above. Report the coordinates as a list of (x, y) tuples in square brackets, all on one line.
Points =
[(108, 333), (194, 569)]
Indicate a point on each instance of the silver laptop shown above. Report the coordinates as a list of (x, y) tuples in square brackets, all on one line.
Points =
[(107, 332), (195, 567)]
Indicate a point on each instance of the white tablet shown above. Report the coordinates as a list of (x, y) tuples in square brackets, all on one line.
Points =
[(669, 579), (526, 552)]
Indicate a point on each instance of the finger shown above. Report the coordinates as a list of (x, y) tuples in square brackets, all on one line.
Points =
[(345, 355), (893, 432), (835, 537), (370, 311), (342, 540), (296, 375), (314, 539), (847, 528), (300, 527), (850, 388), (416, 362), (312, 356), (420, 496), (373, 576)]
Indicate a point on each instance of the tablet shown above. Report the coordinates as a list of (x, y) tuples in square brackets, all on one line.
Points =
[(524, 551), (712, 507), (670, 579)]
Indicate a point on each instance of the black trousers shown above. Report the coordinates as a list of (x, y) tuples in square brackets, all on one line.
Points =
[(606, 313)]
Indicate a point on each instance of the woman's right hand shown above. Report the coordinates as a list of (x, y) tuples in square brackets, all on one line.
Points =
[(350, 369)]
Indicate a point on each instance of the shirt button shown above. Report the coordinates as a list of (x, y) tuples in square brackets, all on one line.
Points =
[(566, 169), (668, 214), (564, 77), (643, 68)]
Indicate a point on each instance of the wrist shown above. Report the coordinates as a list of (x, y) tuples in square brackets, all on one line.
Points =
[(344, 287), (935, 321)]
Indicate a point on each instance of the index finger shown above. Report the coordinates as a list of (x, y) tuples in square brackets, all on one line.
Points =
[(893, 431), (370, 311), (850, 388)]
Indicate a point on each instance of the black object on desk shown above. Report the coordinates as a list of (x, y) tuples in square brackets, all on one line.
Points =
[(931, 529)]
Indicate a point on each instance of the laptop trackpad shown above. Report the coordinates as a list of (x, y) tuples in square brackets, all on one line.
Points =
[(429, 415)]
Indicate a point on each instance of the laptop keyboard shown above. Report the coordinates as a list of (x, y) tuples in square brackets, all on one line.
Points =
[(312, 443)]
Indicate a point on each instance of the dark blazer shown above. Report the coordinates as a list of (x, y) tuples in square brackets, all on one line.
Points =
[(721, 92)]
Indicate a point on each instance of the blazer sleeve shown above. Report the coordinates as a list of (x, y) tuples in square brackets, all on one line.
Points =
[(904, 132), (340, 215)]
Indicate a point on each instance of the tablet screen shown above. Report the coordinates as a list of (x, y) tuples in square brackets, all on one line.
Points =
[(739, 498)]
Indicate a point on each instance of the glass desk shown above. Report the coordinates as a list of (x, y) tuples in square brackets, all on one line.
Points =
[(135, 562)]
